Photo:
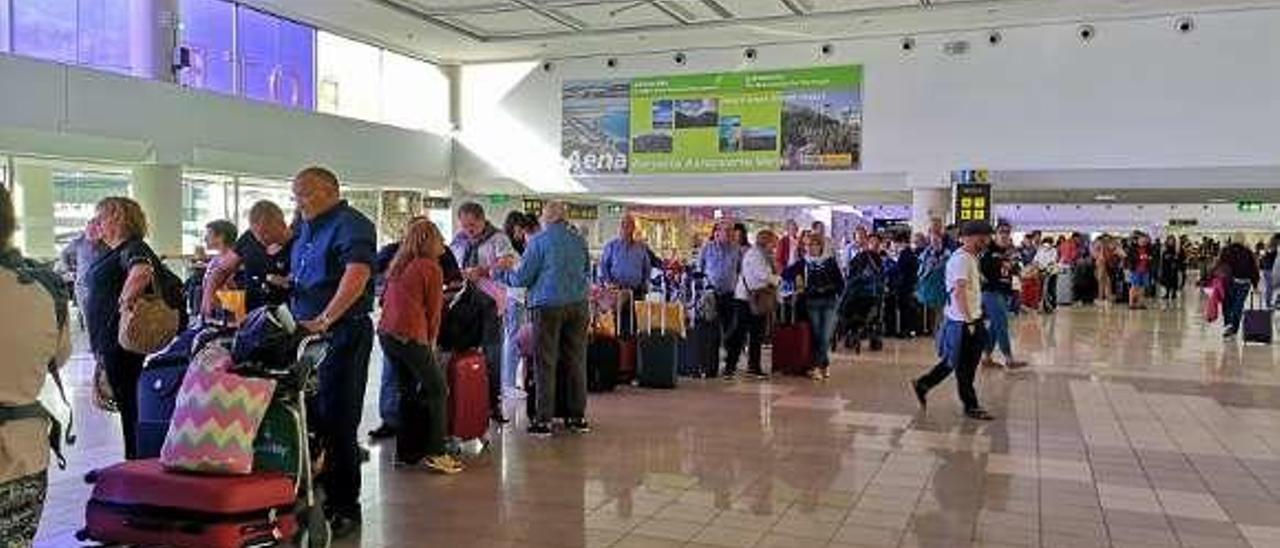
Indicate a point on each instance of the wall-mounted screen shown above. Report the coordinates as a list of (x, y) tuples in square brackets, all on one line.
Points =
[(786, 120)]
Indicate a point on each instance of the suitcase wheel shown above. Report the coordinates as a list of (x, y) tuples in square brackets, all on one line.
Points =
[(315, 532)]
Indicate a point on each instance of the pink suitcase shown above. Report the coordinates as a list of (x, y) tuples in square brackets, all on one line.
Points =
[(139, 503), (468, 395)]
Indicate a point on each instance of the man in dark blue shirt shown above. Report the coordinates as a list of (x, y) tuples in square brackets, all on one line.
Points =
[(332, 266), (259, 261)]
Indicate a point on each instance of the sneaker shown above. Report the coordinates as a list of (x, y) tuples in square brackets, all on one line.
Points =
[(990, 363), (443, 464), (342, 525), (922, 394), (578, 426), (540, 430), (759, 375), (815, 374), (382, 432), (826, 373), (1014, 365), (730, 376), (979, 414)]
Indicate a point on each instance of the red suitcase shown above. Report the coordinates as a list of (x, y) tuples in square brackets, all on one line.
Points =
[(626, 360), (792, 352), (1030, 292), (139, 503), (468, 395)]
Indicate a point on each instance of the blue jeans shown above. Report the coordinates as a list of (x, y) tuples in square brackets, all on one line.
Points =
[(995, 307), (389, 392), (822, 323), (1233, 305), (511, 322)]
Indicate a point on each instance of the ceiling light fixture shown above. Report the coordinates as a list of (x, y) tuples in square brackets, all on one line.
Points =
[(675, 201), (1105, 197)]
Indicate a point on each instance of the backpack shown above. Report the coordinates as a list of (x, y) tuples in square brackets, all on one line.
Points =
[(465, 316), (29, 271)]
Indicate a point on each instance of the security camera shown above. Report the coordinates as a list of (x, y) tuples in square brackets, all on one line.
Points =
[(750, 54), (908, 43), (1086, 32), (612, 62), (1184, 24), (680, 58), (826, 49), (994, 37), (548, 66)]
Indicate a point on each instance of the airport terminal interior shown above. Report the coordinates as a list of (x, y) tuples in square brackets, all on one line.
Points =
[(1110, 170)]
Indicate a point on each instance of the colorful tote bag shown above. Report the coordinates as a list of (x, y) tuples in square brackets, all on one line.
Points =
[(215, 418)]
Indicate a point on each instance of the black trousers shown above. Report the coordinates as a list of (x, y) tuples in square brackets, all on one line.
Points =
[(561, 334), (123, 369), (748, 332), (422, 412), (335, 411), (968, 351)]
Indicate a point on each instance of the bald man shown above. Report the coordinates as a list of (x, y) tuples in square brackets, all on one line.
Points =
[(625, 264), (556, 269), (331, 265)]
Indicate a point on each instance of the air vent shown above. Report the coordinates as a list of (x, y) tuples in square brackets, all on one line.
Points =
[(958, 47)]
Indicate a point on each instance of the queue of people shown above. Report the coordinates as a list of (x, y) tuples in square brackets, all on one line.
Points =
[(959, 284)]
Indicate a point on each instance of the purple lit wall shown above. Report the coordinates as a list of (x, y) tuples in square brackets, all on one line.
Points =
[(207, 30), (45, 29), (104, 35), (4, 27), (278, 59)]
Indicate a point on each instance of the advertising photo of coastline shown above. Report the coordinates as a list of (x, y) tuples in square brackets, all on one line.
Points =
[(821, 129), (596, 124)]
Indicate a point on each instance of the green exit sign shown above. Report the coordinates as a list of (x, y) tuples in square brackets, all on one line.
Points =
[(1249, 207)]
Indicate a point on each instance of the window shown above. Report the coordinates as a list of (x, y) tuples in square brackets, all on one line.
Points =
[(4, 26), (205, 198), (75, 193), (348, 78), (277, 59), (415, 94), (104, 35), (365, 201), (45, 29), (207, 31)]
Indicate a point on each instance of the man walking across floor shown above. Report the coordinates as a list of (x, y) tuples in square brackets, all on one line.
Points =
[(963, 336), (332, 267), (998, 267), (556, 269)]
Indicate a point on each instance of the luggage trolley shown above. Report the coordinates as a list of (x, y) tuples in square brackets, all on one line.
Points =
[(287, 445)]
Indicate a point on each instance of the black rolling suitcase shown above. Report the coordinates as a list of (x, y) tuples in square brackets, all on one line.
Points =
[(1256, 323), (658, 353)]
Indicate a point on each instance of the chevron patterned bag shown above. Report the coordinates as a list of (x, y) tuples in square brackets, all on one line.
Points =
[(215, 418)]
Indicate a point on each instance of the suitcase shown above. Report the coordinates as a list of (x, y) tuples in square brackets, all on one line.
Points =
[(701, 351), (604, 356), (627, 359), (1256, 325), (1030, 292), (658, 353), (1064, 291), (1085, 287), (792, 352), (138, 503), (468, 379)]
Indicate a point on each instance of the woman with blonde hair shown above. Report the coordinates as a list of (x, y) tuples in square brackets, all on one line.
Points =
[(413, 303), (120, 276)]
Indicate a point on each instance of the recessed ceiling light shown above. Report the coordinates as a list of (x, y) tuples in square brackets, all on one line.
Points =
[(723, 200), (1217, 200), (1105, 197)]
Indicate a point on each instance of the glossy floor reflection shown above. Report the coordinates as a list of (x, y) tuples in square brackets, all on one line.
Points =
[(1131, 429)]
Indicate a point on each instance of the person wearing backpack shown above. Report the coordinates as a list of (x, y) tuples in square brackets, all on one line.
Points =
[(36, 342), (120, 277)]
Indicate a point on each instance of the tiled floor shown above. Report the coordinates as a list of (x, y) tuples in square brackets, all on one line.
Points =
[(1133, 429)]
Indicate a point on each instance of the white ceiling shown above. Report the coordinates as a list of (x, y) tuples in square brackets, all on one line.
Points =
[(499, 30)]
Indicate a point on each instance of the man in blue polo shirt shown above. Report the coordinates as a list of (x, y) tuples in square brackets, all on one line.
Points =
[(556, 269), (331, 265), (721, 261)]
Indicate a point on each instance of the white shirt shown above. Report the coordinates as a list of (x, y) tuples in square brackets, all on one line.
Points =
[(1046, 257), (963, 266), (757, 273)]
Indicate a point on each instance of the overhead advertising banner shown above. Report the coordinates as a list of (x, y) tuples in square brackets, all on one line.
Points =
[(786, 120)]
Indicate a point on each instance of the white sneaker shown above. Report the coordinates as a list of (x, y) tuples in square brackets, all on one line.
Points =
[(815, 374)]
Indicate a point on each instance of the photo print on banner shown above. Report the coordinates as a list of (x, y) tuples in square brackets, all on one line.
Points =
[(787, 120)]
